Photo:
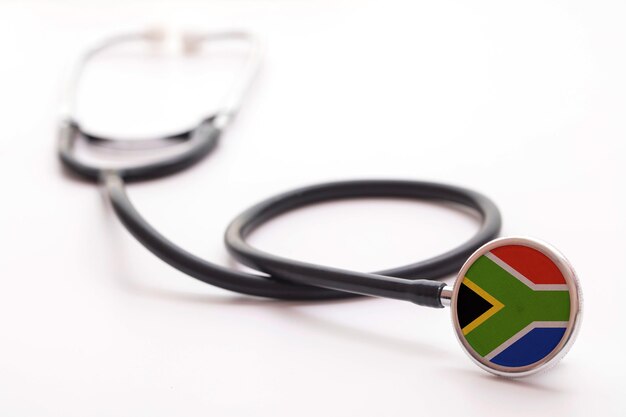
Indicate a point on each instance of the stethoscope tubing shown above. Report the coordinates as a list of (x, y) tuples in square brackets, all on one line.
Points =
[(413, 282), (294, 280), (196, 267)]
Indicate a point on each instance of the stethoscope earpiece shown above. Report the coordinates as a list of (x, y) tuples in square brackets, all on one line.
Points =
[(516, 306)]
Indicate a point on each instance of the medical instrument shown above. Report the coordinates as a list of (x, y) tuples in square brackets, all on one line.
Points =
[(516, 303)]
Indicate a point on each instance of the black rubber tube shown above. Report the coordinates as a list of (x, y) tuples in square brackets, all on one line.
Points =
[(411, 282), (293, 280)]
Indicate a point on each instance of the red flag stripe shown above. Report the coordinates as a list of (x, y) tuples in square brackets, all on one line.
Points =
[(531, 263)]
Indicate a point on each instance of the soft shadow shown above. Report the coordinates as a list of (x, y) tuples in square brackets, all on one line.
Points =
[(480, 380), (360, 335)]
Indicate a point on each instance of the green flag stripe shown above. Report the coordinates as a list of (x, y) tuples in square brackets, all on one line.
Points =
[(496, 281), (522, 305)]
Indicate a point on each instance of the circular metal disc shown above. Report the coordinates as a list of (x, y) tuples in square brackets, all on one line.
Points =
[(516, 306)]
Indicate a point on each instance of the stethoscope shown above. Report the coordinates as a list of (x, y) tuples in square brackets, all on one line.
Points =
[(516, 303)]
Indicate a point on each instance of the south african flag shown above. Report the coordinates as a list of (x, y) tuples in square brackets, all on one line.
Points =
[(513, 305)]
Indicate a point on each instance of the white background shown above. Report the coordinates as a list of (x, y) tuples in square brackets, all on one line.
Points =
[(524, 101)]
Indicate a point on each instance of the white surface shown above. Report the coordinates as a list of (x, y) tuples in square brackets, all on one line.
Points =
[(524, 101)]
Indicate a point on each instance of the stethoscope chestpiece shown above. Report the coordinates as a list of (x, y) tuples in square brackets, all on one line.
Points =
[(516, 306)]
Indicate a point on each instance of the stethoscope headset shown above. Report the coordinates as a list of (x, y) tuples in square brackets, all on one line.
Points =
[(516, 302)]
